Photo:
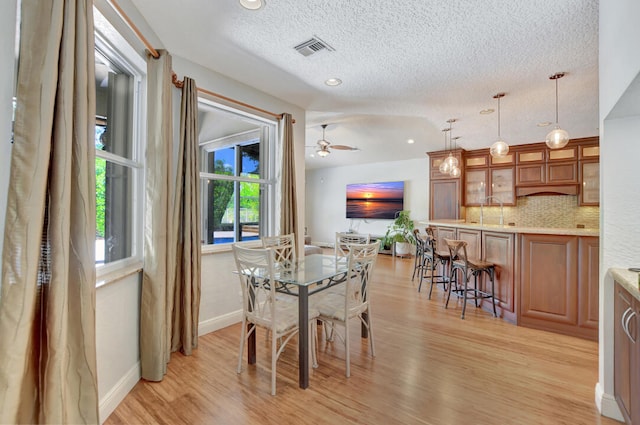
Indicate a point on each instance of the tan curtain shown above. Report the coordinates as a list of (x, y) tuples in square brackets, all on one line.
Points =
[(187, 226), (159, 255), (47, 306), (288, 202)]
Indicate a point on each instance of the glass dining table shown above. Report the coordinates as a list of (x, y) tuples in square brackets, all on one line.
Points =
[(311, 274)]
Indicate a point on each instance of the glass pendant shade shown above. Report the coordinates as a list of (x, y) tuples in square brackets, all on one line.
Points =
[(557, 138), (445, 167), (455, 172), (499, 149), (452, 161), (322, 152)]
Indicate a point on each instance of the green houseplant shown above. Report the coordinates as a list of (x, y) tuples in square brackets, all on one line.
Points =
[(400, 232)]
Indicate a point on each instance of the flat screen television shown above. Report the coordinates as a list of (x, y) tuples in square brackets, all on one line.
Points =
[(375, 200)]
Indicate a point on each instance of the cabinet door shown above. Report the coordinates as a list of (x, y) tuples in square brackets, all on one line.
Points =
[(530, 174), (445, 199), (442, 234), (508, 159), (564, 154), (502, 185), (562, 172), (475, 186), (588, 282), (435, 159), (624, 352), (549, 282), (479, 160), (590, 179), (472, 237), (498, 248)]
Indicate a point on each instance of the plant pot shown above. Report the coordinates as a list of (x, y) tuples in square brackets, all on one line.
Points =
[(403, 248)]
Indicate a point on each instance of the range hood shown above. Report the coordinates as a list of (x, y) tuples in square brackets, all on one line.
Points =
[(547, 189)]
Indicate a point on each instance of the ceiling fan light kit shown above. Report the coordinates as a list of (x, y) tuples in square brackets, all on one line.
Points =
[(557, 138), (322, 147)]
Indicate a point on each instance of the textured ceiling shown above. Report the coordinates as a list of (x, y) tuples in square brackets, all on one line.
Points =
[(406, 65)]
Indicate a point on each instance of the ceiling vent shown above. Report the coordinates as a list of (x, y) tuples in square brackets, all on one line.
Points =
[(311, 46)]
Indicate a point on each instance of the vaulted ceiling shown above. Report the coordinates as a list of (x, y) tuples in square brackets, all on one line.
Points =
[(406, 66)]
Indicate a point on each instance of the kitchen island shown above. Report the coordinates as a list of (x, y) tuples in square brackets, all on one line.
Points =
[(546, 278)]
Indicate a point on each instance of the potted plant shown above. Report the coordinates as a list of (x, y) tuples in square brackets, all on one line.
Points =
[(400, 232)]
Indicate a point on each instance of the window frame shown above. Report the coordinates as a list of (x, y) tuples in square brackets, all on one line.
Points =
[(267, 134), (111, 44)]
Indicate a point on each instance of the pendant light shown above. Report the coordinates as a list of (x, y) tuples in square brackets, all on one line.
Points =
[(455, 170), (451, 160), (499, 148), (444, 165), (557, 138)]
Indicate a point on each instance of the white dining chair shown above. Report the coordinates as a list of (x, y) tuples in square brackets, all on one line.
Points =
[(343, 240), (337, 308), (261, 307), (284, 247)]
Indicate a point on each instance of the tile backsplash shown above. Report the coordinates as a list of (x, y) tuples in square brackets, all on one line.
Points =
[(559, 211)]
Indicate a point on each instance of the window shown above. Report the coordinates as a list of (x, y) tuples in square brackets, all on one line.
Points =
[(236, 172), (119, 168)]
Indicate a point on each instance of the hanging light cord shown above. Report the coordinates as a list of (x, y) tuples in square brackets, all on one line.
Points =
[(499, 138), (556, 101)]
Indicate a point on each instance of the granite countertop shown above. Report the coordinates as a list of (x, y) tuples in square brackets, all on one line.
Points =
[(629, 280), (513, 229)]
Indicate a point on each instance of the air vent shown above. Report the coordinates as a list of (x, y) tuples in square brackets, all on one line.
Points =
[(312, 46)]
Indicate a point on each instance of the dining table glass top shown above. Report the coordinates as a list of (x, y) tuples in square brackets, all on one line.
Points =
[(312, 269)]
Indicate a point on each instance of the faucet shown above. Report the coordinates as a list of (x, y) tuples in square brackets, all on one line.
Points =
[(495, 198)]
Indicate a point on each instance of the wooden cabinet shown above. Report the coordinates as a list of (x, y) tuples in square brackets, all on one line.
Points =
[(502, 185), (562, 172), (590, 182), (476, 160), (489, 182), (626, 354), (445, 195), (476, 184), (472, 237), (588, 282), (498, 248), (530, 174), (444, 199), (558, 284)]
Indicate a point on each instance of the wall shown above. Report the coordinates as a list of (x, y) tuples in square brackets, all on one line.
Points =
[(7, 70), (326, 196), (620, 148)]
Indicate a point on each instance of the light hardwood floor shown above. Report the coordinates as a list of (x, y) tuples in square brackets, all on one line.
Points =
[(431, 367)]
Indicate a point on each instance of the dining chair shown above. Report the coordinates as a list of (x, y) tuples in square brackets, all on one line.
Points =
[(343, 240), (284, 247), (261, 307), (337, 308)]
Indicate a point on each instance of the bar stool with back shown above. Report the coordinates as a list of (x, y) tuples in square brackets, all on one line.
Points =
[(461, 265)]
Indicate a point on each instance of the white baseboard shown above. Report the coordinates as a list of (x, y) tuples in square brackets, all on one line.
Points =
[(607, 404), (119, 391), (212, 325)]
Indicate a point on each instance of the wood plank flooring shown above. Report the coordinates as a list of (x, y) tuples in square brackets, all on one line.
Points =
[(431, 367)]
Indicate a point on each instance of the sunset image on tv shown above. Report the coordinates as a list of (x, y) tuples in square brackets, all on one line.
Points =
[(375, 200)]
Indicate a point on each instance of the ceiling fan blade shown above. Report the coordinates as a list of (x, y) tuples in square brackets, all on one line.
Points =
[(344, 148)]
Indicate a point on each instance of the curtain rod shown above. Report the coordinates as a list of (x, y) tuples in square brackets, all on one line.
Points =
[(174, 77)]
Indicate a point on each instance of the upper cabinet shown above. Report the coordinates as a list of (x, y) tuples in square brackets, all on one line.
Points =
[(445, 192)]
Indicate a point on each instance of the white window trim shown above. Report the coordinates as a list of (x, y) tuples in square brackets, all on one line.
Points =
[(113, 45)]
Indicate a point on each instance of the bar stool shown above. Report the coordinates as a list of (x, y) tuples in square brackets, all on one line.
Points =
[(461, 264), (437, 258), (418, 264)]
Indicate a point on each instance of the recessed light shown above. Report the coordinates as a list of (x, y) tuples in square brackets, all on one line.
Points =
[(411, 141), (544, 124), (252, 4), (487, 111), (333, 82)]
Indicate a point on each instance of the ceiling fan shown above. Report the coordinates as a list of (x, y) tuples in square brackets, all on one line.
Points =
[(323, 145)]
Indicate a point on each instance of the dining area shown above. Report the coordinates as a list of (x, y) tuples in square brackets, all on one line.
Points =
[(291, 296)]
